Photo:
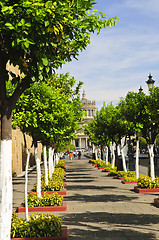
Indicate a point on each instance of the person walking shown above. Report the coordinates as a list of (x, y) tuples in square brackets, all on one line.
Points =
[(70, 155)]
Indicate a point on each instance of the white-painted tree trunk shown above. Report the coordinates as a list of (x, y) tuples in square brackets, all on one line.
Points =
[(5, 188), (56, 159), (113, 155), (106, 160), (93, 148), (123, 159), (45, 165), (38, 172), (53, 159), (152, 166), (51, 166), (26, 184), (137, 159), (96, 157), (123, 156), (119, 149)]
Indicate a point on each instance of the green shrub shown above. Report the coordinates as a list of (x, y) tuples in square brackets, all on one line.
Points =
[(53, 185), (39, 225), (121, 173), (147, 182), (130, 179), (113, 172), (53, 199), (61, 164), (109, 167)]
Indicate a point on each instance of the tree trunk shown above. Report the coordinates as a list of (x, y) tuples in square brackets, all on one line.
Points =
[(123, 156), (26, 184), (5, 175), (152, 167), (56, 158), (107, 151), (96, 157), (123, 159), (38, 170), (113, 155), (51, 166), (101, 152), (137, 158), (119, 149), (45, 165)]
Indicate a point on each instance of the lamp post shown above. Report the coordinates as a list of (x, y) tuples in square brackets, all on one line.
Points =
[(150, 82), (140, 89)]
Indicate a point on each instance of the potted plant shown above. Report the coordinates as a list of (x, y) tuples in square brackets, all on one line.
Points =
[(146, 185), (47, 203), (39, 226)]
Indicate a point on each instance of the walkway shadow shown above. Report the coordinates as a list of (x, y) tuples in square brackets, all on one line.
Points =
[(81, 187), (96, 226), (99, 198)]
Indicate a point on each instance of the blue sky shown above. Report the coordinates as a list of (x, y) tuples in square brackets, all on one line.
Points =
[(120, 58)]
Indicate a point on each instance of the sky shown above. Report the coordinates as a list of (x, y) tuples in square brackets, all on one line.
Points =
[(120, 58)]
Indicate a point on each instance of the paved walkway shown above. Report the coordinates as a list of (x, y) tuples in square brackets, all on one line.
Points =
[(102, 208)]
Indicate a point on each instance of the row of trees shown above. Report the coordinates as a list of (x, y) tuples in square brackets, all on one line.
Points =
[(48, 112), (136, 115), (38, 36)]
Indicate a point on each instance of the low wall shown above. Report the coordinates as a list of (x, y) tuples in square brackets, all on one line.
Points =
[(19, 153)]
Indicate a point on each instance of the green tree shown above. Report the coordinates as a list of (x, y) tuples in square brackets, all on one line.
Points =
[(38, 36)]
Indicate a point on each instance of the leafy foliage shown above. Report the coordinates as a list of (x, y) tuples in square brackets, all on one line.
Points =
[(39, 225), (53, 199), (147, 182)]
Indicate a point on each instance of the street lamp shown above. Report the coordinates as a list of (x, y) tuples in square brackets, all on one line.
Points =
[(150, 82), (140, 89)]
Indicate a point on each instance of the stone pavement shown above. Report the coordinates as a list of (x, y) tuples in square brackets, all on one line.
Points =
[(100, 207)]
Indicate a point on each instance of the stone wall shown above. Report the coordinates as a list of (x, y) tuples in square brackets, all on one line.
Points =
[(19, 154)]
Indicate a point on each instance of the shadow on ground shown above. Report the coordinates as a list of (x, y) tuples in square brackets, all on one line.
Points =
[(100, 198), (96, 226)]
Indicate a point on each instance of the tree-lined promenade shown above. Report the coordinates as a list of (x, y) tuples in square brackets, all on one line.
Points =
[(136, 115), (38, 37)]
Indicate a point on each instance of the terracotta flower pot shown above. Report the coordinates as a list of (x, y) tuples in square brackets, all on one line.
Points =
[(63, 207), (145, 190)]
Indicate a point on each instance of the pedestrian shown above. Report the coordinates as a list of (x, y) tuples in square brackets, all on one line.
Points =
[(74, 154), (70, 155), (79, 154)]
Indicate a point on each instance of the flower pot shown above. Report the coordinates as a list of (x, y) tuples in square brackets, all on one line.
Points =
[(116, 177), (63, 207), (64, 236), (124, 182), (105, 170), (100, 167), (145, 190)]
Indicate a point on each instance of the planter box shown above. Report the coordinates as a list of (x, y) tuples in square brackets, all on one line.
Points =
[(105, 170), (145, 190), (61, 192), (115, 177), (124, 182), (94, 164), (64, 236), (63, 207), (156, 202)]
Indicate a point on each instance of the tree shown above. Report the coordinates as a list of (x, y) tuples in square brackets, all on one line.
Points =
[(38, 36), (133, 109), (48, 116)]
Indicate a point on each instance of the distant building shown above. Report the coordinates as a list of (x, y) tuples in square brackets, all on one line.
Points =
[(90, 110)]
